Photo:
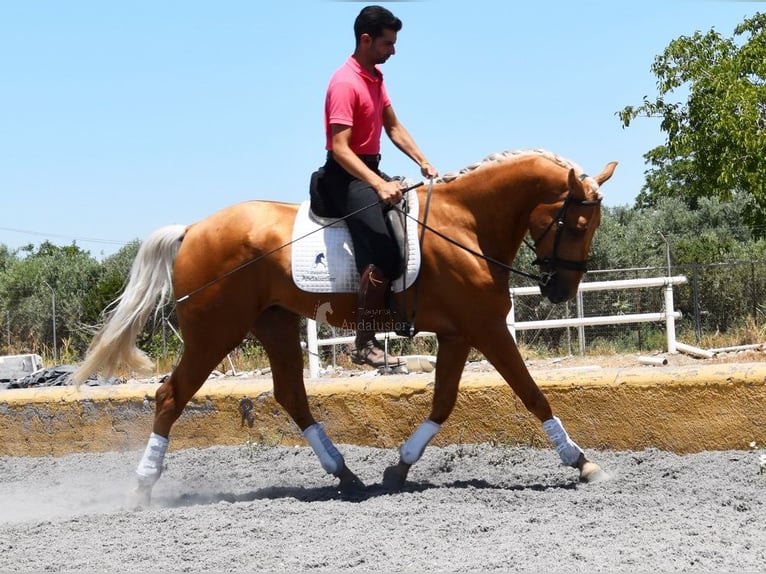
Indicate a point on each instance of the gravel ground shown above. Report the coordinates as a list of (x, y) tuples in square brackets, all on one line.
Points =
[(465, 508)]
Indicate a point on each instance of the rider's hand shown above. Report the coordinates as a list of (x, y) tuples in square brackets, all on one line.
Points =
[(427, 170), (390, 192)]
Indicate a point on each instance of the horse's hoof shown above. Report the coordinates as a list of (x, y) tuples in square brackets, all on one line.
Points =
[(349, 482), (141, 497), (592, 473), (394, 477)]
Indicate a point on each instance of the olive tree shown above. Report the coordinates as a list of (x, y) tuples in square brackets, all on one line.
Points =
[(43, 292)]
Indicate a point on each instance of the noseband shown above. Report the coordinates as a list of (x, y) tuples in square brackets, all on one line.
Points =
[(554, 262)]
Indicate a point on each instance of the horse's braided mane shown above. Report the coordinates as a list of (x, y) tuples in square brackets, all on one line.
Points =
[(505, 156)]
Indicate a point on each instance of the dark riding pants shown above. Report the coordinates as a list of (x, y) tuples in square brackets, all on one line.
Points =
[(373, 243)]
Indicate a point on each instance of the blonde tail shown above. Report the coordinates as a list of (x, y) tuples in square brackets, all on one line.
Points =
[(114, 347)]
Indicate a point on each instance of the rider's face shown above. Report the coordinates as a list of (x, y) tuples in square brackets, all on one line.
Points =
[(382, 47)]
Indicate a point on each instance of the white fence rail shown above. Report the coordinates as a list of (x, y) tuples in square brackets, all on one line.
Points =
[(668, 314)]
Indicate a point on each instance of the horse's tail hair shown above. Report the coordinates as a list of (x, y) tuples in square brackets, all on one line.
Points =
[(114, 349)]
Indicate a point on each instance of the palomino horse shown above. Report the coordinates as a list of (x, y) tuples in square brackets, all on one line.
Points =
[(231, 275)]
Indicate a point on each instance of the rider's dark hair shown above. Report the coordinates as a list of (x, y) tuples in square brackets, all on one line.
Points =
[(373, 20)]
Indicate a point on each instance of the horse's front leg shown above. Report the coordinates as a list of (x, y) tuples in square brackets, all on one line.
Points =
[(498, 346), (450, 360), (279, 332)]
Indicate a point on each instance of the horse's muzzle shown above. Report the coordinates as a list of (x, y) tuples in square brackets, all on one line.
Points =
[(554, 289)]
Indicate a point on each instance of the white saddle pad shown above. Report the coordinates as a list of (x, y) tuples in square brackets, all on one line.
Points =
[(323, 259)]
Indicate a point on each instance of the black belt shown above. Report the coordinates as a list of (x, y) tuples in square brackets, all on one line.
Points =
[(374, 158)]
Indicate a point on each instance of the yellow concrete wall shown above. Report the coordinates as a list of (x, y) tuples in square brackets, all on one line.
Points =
[(681, 409)]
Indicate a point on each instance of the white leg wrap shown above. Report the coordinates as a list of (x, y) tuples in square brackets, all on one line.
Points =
[(150, 467), (411, 451), (331, 459), (565, 446)]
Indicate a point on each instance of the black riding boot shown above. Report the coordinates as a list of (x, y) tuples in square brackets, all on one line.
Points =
[(371, 315)]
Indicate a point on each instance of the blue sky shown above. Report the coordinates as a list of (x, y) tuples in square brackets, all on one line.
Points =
[(119, 117)]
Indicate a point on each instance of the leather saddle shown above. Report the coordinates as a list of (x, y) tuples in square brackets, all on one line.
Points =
[(396, 217)]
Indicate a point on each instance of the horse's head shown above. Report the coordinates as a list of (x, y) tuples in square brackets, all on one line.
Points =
[(563, 232)]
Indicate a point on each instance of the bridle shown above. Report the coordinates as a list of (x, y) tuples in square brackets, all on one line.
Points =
[(554, 262)]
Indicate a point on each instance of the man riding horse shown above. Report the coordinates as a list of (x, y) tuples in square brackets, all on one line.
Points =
[(357, 108)]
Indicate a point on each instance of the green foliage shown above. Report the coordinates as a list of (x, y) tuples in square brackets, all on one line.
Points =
[(163, 346), (717, 135), (250, 356), (729, 295), (6, 258), (47, 278), (708, 244), (712, 232), (112, 278), (626, 238)]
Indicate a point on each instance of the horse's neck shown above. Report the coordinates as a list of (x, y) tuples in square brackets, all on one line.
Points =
[(494, 204)]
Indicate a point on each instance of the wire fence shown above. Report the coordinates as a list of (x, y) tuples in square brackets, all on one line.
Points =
[(717, 299), (720, 304)]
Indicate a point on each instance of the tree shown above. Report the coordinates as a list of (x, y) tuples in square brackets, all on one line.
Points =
[(29, 286), (6, 257), (627, 238), (716, 138), (112, 278)]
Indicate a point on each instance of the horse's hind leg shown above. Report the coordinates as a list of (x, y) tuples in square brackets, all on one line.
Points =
[(170, 399), (279, 332), (206, 341)]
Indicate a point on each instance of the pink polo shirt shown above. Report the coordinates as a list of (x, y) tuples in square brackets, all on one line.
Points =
[(356, 98)]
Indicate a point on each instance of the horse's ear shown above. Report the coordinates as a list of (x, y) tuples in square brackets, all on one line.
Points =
[(606, 173), (576, 188)]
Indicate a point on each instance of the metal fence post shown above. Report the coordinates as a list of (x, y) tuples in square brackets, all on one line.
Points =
[(53, 314), (696, 297)]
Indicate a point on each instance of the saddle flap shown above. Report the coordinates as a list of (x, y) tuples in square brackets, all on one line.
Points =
[(396, 219), (323, 253)]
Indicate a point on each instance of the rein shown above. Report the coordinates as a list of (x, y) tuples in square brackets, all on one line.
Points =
[(411, 330), (554, 261), (487, 258), (263, 255)]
